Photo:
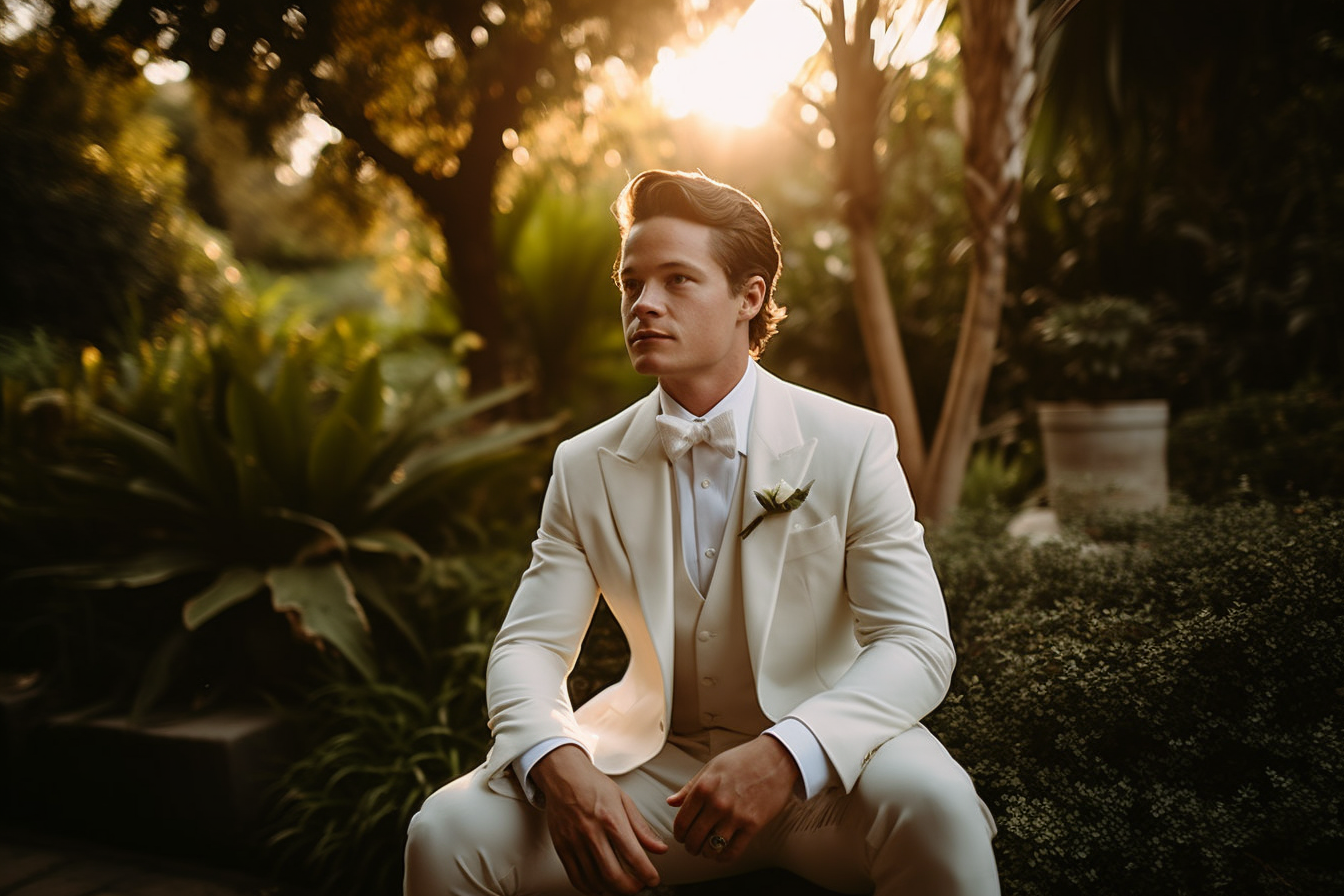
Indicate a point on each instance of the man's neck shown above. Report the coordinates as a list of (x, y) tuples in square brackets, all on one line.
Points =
[(700, 396)]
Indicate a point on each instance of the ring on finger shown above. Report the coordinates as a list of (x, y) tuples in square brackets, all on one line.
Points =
[(717, 842)]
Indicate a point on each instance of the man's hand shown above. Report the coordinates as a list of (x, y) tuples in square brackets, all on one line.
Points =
[(735, 795), (602, 839)]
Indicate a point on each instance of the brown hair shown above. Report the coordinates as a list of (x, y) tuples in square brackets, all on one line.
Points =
[(743, 242)]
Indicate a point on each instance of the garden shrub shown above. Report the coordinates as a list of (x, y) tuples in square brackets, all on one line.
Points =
[(1161, 714), (1271, 445), (376, 750)]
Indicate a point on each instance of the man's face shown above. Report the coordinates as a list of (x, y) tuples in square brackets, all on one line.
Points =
[(683, 322)]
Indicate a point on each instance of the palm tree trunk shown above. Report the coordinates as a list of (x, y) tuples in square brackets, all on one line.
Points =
[(997, 56), (858, 96)]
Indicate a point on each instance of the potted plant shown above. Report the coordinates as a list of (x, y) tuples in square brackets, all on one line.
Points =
[(1101, 363)]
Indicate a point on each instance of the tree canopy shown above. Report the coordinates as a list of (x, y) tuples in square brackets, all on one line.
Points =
[(432, 93)]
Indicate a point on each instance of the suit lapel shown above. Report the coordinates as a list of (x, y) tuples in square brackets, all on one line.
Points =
[(775, 450), (638, 481)]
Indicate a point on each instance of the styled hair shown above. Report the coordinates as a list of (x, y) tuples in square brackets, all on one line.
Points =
[(743, 242)]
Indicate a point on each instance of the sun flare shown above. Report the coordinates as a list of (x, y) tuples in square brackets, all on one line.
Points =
[(737, 73)]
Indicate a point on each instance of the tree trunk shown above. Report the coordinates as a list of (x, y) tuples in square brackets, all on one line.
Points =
[(463, 208), (997, 54), (858, 94)]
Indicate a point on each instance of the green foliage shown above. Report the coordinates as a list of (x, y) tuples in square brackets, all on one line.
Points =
[(559, 247), (1266, 446), (93, 235), (1197, 168), (377, 750), (1162, 711), (235, 469), (1102, 348), (1000, 476)]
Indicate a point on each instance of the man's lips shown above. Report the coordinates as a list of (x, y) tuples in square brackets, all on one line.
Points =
[(646, 335)]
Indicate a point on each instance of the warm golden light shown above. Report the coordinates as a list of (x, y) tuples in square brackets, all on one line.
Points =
[(737, 73)]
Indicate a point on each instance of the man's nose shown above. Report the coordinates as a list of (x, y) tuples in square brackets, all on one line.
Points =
[(648, 304)]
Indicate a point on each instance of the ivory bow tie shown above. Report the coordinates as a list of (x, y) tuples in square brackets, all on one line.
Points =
[(679, 435)]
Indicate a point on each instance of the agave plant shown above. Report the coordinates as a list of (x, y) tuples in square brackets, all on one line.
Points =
[(265, 483)]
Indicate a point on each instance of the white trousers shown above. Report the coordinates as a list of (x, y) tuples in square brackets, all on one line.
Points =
[(913, 825)]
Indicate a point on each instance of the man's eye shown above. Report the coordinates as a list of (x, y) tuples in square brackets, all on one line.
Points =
[(678, 279), (630, 287)]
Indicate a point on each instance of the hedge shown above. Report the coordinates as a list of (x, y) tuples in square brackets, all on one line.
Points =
[(1163, 713)]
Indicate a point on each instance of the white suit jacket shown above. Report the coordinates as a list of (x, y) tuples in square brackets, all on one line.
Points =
[(846, 625)]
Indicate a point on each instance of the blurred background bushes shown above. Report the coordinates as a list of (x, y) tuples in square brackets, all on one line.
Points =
[(1161, 708)]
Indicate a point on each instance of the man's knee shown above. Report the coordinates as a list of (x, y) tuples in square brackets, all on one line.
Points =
[(918, 783), (453, 843), (468, 839), (928, 831), (434, 843)]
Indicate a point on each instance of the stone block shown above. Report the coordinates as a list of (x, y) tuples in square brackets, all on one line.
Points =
[(194, 785)]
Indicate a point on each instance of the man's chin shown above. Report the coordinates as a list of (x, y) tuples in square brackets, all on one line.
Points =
[(643, 363)]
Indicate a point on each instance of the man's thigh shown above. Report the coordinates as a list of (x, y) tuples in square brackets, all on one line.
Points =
[(913, 811), (468, 839)]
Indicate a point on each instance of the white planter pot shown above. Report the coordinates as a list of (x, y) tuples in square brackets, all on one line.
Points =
[(1105, 456)]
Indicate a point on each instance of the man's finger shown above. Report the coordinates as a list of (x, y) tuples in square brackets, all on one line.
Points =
[(626, 846), (689, 804), (650, 839), (700, 831), (616, 874)]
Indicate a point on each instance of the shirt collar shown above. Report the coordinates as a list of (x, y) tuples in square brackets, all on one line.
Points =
[(739, 401)]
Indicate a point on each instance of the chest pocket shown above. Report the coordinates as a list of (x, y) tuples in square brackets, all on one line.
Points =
[(803, 542)]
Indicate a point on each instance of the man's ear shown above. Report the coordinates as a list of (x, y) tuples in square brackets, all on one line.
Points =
[(751, 296)]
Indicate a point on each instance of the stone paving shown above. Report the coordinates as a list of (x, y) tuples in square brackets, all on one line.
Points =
[(38, 865)]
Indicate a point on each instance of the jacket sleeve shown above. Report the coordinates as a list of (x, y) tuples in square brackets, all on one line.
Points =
[(526, 695), (905, 658)]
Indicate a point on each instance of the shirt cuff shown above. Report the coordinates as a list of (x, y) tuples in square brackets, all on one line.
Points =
[(523, 765), (815, 772)]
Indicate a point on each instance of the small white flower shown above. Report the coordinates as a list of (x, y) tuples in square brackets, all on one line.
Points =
[(769, 498)]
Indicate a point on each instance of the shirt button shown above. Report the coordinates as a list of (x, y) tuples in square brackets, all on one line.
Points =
[(708, 682), (704, 483), (704, 636), (711, 553)]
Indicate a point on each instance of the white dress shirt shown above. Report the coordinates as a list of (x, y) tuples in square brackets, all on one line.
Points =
[(705, 482)]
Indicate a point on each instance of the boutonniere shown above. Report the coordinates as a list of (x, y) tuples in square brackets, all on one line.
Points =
[(783, 498)]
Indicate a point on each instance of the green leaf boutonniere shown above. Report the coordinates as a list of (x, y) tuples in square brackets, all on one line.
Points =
[(774, 501)]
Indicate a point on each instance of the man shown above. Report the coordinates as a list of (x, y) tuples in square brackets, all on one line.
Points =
[(781, 661)]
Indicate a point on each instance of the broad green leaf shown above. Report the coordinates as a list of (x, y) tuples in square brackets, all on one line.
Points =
[(325, 610), (370, 587), (252, 423), (292, 399), (149, 568), (233, 586), (99, 486), (424, 417), (420, 473), (202, 453), (158, 675), (344, 441), (146, 453), (389, 541), (330, 538), (143, 488)]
